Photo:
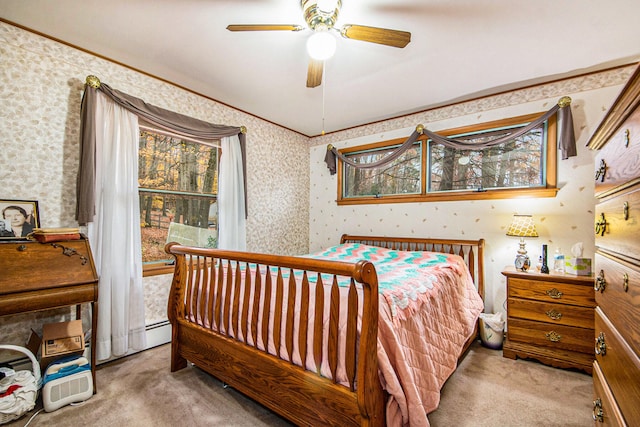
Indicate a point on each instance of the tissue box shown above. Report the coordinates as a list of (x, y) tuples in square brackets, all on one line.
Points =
[(578, 266)]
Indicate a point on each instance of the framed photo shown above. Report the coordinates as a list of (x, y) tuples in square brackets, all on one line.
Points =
[(18, 218)]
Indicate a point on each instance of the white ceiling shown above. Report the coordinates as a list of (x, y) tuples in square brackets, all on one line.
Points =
[(459, 49)]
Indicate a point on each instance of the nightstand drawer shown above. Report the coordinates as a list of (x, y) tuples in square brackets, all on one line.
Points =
[(618, 297), (559, 314), (554, 292), (621, 367), (551, 335)]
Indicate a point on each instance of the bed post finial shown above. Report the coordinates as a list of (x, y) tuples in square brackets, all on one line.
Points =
[(92, 81)]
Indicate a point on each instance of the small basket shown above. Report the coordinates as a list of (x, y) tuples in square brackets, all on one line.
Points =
[(23, 399)]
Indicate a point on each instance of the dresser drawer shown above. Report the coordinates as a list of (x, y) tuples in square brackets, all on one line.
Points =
[(621, 156), (559, 314), (605, 409), (620, 296), (58, 264), (620, 366), (548, 291), (551, 335), (621, 218)]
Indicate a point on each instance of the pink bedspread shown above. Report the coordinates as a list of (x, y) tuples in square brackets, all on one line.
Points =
[(428, 309)]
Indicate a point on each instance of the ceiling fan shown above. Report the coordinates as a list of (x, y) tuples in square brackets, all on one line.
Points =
[(321, 17)]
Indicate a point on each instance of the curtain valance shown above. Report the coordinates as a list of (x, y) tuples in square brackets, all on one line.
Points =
[(566, 139), (176, 123)]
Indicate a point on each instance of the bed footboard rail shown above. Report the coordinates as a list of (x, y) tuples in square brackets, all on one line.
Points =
[(250, 320)]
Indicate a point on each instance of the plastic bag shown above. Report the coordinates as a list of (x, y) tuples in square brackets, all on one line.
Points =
[(494, 321), (491, 330)]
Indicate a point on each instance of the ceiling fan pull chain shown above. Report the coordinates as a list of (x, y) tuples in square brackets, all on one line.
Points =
[(324, 77)]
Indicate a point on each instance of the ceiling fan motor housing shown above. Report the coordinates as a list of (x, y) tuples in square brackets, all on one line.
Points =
[(318, 19)]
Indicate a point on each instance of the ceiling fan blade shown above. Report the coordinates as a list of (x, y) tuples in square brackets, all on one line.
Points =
[(395, 38), (260, 27), (314, 73)]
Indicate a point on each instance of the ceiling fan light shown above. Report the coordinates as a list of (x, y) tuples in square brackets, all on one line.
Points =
[(321, 45)]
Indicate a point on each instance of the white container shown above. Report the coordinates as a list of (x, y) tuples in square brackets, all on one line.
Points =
[(491, 330)]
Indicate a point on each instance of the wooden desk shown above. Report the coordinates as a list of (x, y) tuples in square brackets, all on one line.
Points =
[(38, 276)]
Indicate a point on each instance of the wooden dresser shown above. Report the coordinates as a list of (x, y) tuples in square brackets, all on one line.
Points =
[(617, 261), (550, 318), (39, 276)]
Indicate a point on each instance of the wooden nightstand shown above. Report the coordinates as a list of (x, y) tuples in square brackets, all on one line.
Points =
[(550, 317)]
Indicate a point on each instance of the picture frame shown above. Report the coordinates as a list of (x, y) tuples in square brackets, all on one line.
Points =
[(18, 218)]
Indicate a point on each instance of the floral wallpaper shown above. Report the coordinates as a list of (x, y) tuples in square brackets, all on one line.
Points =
[(41, 84)]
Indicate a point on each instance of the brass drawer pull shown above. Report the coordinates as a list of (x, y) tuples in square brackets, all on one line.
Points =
[(553, 336), (601, 225), (554, 293), (600, 282), (625, 282), (627, 138), (598, 413), (601, 345), (625, 211), (554, 315), (22, 248), (602, 170)]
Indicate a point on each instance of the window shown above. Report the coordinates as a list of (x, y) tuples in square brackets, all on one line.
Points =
[(428, 171), (399, 177), (178, 187), (515, 164)]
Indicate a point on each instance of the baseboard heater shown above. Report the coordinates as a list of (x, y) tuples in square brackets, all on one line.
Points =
[(158, 333)]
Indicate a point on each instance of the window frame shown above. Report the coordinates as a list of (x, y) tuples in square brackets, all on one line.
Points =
[(162, 267), (549, 189)]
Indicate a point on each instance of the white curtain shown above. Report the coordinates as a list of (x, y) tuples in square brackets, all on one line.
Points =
[(231, 215), (115, 233)]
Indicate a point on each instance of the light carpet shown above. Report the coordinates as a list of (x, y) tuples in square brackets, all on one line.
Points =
[(485, 390)]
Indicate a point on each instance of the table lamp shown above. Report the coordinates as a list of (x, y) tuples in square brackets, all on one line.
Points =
[(522, 226)]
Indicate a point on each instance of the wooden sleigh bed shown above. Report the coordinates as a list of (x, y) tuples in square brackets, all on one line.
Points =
[(249, 320)]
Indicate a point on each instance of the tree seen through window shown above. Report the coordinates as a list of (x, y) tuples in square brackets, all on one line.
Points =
[(178, 187)]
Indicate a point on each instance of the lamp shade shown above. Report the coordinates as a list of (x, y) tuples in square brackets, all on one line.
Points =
[(522, 226)]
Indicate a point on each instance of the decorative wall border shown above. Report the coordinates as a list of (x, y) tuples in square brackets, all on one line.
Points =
[(591, 81)]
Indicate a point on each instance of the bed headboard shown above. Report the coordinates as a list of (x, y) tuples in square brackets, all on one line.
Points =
[(472, 251)]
